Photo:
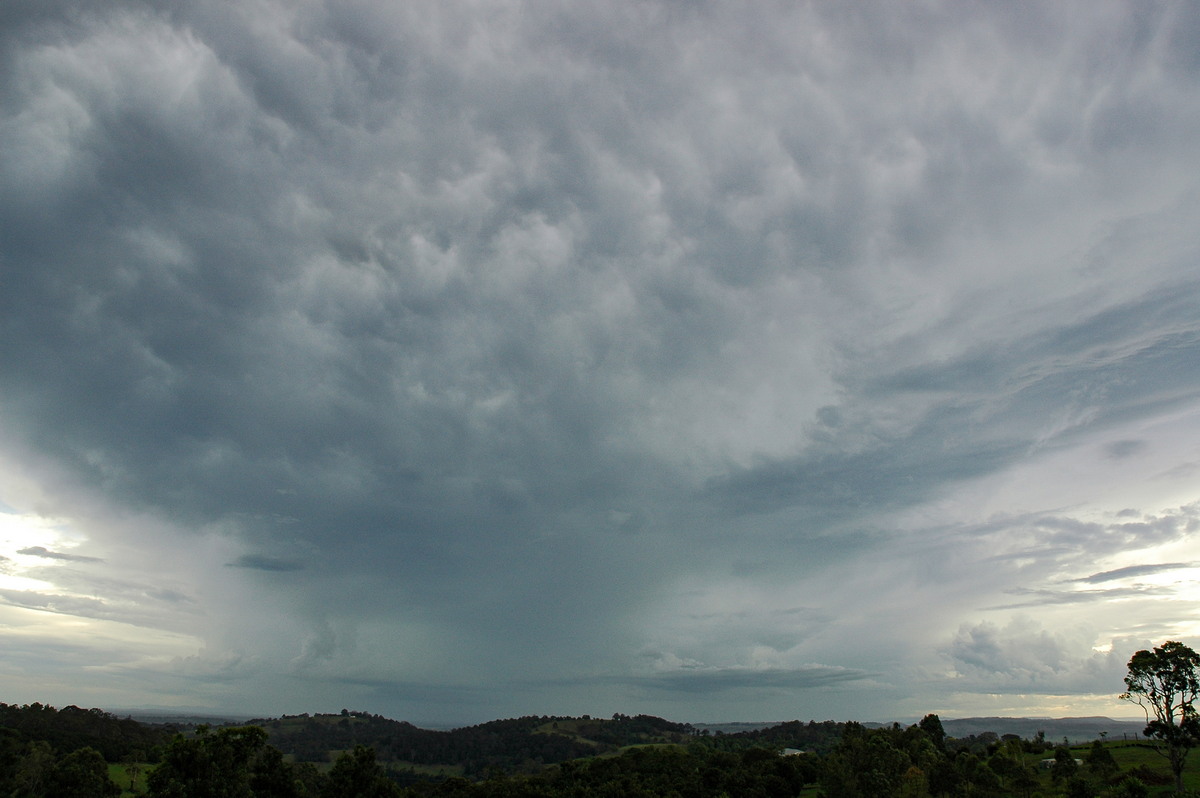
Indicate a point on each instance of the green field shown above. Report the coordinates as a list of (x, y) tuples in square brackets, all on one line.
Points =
[(121, 775), (1135, 755)]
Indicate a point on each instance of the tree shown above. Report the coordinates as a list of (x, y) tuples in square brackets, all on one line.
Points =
[(1065, 766), (1079, 787), (271, 776), (81, 774), (932, 726), (864, 764), (133, 766), (1100, 760), (1011, 765), (357, 773), (1165, 683), (33, 770), (208, 765), (975, 777), (12, 750)]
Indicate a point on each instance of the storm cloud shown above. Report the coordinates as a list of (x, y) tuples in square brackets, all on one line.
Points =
[(451, 361)]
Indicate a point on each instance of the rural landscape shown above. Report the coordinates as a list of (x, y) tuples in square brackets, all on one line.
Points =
[(619, 398), (77, 753)]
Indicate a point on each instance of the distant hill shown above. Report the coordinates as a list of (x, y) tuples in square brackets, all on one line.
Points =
[(520, 744), (735, 727), (517, 745), (178, 717), (1074, 729), (71, 728)]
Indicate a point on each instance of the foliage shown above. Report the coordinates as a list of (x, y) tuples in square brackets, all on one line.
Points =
[(32, 775), (1079, 787), (36, 772), (83, 773), (658, 758), (817, 737), (1100, 761), (1014, 769), (71, 728), (863, 764), (1065, 766), (1131, 787), (357, 773), (209, 765), (932, 726), (1165, 683), (522, 744)]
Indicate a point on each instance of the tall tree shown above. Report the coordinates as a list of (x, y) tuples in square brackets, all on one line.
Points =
[(1065, 767), (34, 770), (1100, 761), (357, 773), (208, 765), (81, 774), (932, 725), (1165, 683)]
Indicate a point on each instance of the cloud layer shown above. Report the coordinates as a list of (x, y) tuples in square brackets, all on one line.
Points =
[(720, 361)]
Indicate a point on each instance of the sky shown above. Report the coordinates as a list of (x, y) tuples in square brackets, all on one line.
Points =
[(720, 361)]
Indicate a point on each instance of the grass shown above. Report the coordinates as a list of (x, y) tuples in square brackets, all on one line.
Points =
[(568, 727), (119, 775), (1129, 755)]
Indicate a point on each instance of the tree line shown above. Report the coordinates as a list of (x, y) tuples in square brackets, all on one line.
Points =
[(49, 753), (919, 760), (525, 744)]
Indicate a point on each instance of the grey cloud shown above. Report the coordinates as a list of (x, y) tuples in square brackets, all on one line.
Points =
[(116, 608), (987, 647), (59, 662), (42, 551), (114, 591), (1009, 392), (1181, 470), (1042, 597), (513, 320), (261, 562), (64, 605), (1023, 656), (1134, 570), (168, 595), (780, 630), (719, 680), (425, 695), (890, 474), (200, 414), (1057, 535), (217, 666), (320, 645)]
